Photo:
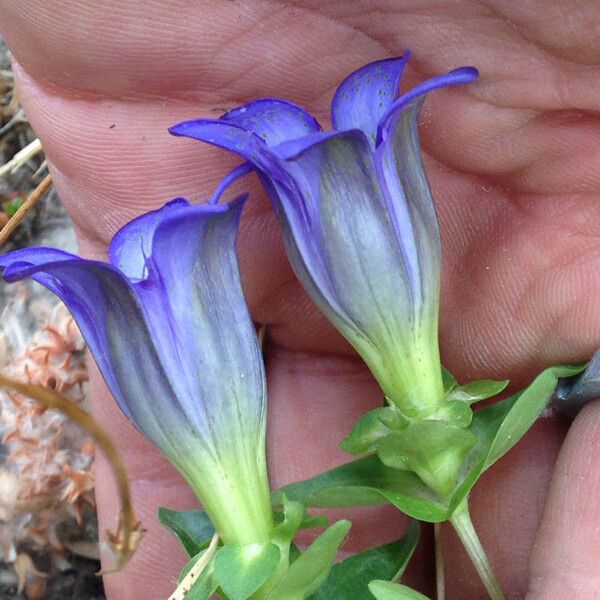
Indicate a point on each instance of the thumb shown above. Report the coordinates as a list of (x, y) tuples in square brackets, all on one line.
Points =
[(566, 557)]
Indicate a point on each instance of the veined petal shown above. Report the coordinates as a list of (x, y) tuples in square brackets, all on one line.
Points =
[(251, 130), (365, 95), (112, 322), (346, 251), (179, 341), (409, 201), (339, 186), (348, 257), (178, 350), (203, 331), (410, 205)]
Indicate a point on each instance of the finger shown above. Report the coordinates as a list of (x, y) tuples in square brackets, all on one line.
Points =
[(565, 560), (506, 507)]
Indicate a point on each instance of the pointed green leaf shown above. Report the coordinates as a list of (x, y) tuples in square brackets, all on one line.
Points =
[(205, 585), (350, 578), (241, 570), (368, 481), (306, 575), (477, 390), (448, 380), (500, 426), (526, 409), (192, 527), (385, 590)]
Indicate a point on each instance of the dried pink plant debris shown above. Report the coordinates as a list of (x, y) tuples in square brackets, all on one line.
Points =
[(45, 477)]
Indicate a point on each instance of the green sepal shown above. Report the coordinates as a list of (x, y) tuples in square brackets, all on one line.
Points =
[(294, 517), (314, 521), (453, 411), (500, 426), (386, 590), (371, 428), (205, 585), (241, 570), (192, 528), (368, 481), (308, 572), (477, 390), (350, 578), (434, 450), (448, 380)]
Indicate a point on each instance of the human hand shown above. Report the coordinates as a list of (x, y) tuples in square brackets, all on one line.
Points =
[(514, 179)]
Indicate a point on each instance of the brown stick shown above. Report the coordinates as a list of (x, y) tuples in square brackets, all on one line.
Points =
[(31, 201)]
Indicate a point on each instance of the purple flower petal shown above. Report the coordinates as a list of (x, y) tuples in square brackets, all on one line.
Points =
[(273, 120), (177, 346), (111, 320), (200, 324), (346, 253), (131, 246), (408, 197), (235, 139), (458, 76), (364, 96)]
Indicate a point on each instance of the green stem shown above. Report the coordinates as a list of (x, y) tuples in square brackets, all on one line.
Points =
[(461, 521), (439, 562)]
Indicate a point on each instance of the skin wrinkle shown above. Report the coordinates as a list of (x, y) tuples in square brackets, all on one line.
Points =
[(475, 225)]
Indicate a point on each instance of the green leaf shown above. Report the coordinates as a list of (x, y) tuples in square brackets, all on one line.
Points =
[(205, 585), (477, 390), (385, 590), (10, 207), (368, 481), (241, 570), (526, 409), (192, 527), (350, 578), (500, 426), (306, 575)]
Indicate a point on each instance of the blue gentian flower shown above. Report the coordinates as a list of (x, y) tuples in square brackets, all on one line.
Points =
[(357, 216), (168, 326)]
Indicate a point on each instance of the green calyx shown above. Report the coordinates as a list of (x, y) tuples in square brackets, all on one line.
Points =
[(431, 444), (236, 498), (269, 570)]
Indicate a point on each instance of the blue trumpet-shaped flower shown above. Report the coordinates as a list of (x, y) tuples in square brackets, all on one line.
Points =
[(357, 216), (168, 326)]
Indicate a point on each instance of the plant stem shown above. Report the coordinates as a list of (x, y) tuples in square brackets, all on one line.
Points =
[(461, 521), (439, 562)]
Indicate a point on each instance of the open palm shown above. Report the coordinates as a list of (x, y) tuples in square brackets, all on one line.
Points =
[(515, 171)]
